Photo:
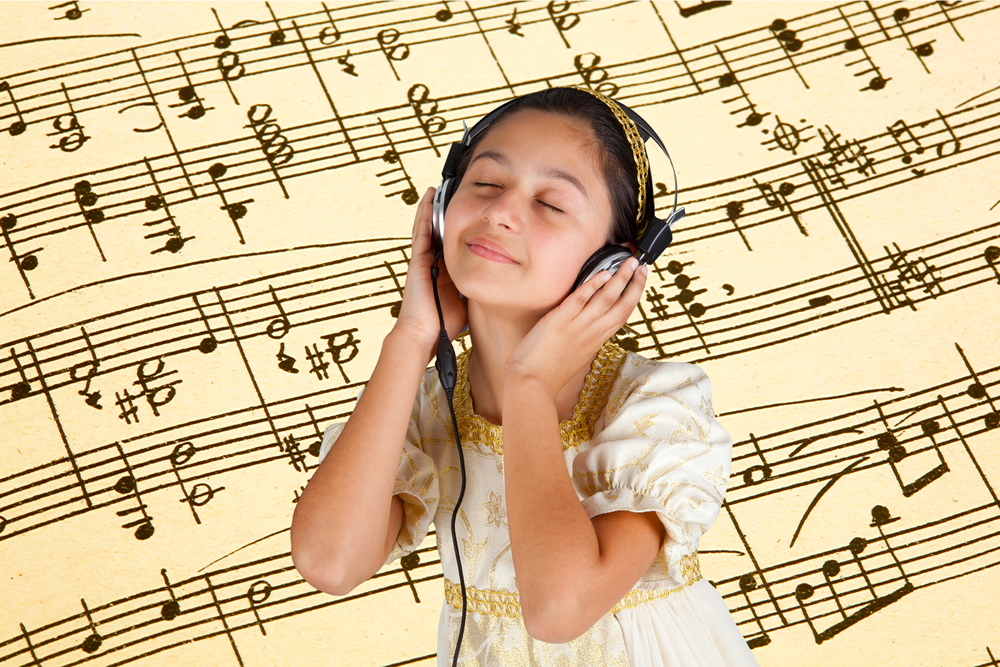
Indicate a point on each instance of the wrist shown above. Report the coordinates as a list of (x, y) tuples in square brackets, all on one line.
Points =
[(411, 344)]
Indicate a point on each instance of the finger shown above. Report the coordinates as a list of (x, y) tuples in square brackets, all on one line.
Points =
[(585, 292), (611, 292), (421, 222)]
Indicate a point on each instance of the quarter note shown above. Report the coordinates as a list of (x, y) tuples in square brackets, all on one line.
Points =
[(126, 485), (728, 79), (749, 583), (20, 389), (86, 199), (94, 640), (18, 126), (922, 51), (992, 257), (977, 390), (188, 95), (407, 563), (790, 43), (409, 192), (222, 41), (172, 608), (899, 129), (854, 44), (175, 240), (236, 210), (277, 35), (396, 305), (208, 344), (73, 11), (445, 14)]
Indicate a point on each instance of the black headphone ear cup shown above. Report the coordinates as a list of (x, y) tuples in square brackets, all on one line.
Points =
[(609, 257)]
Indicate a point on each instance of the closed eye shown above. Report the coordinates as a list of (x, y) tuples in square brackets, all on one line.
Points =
[(549, 206)]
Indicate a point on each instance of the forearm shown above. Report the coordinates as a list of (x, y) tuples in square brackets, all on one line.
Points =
[(553, 543), (340, 521)]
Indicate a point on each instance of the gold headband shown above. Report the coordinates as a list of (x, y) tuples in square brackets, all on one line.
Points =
[(638, 153)]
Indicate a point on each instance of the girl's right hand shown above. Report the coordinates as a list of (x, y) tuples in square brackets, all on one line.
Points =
[(418, 315)]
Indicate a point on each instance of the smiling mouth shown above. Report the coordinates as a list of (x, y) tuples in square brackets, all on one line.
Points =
[(486, 253)]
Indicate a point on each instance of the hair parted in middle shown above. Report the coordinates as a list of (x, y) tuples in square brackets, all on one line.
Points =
[(614, 152)]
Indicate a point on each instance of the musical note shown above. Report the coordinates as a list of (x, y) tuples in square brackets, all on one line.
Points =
[(392, 51), (789, 42), (702, 6), (126, 486), (409, 193), (73, 11), (18, 126), (595, 77), (396, 305), (275, 145), (175, 240), (258, 593), (924, 50), (278, 327), (759, 472), (897, 130), (67, 127), (754, 118), (749, 583), (329, 34), (407, 563), (210, 343), (832, 568), (562, 18), (93, 642), (889, 443), (23, 388), (236, 210), (418, 95), (277, 36), (172, 608), (188, 96), (90, 368), (992, 257), (201, 493), (878, 81), (445, 14)]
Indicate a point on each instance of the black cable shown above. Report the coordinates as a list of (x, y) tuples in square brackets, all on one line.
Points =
[(447, 368)]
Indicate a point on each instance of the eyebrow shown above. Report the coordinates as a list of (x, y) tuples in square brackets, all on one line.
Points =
[(551, 172)]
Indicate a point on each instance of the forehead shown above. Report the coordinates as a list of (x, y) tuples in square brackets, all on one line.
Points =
[(551, 142)]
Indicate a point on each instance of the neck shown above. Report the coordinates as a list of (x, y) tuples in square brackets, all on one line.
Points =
[(493, 339)]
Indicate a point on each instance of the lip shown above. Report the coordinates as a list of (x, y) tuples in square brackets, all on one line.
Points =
[(489, 250)]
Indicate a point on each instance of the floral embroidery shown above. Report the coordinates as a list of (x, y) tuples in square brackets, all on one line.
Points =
[(494, 506)]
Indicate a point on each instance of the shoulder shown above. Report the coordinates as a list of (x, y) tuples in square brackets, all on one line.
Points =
[(642, 379)]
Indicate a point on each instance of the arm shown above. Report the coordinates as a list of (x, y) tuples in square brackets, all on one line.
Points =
[(571, 570), (347, 519)]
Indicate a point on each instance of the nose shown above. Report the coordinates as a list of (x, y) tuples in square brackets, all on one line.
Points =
[(506, 210)]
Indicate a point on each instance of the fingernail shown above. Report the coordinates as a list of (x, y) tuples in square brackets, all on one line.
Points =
[(606, 276), (632, 263), (643, 270)]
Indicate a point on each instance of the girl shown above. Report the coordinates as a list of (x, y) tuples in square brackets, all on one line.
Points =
[(592, 471)]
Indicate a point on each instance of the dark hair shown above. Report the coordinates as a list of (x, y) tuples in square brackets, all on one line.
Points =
[(613, 150)]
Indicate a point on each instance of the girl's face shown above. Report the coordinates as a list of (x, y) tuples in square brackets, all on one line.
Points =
[(534, 193)]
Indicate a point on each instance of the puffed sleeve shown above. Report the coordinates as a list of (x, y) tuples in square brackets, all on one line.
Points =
[(662, 450), (416, 481)]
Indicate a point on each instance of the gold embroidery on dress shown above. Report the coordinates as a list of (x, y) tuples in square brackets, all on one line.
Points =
[(476, 429), (507, 604)]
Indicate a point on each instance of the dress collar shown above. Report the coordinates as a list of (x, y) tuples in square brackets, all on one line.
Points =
[(579, 429)]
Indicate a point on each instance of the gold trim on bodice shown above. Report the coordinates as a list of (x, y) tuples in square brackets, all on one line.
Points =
[(579, 429), (508, 604)]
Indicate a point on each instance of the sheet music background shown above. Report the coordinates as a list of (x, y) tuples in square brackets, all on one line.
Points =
[(206, 212)]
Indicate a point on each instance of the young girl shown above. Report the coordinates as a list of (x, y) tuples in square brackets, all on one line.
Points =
[(592, 471)]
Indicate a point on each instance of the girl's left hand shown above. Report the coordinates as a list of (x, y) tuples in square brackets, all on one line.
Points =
[(571, 334)]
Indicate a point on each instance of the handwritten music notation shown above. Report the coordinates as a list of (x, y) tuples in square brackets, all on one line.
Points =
[(206, 213)]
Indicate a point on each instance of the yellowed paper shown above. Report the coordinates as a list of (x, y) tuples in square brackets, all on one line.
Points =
[(206, 212)]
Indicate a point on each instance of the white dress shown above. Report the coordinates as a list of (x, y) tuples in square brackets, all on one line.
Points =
[(643, 438)]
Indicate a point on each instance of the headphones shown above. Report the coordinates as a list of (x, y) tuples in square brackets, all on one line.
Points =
[(655, 239)]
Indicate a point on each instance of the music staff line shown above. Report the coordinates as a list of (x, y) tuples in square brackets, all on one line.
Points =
[(265, 308), (810, 305), (915, 19), (806, 454), (244, 596), (950, 547), (768, 206)]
